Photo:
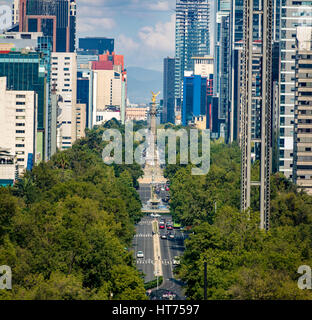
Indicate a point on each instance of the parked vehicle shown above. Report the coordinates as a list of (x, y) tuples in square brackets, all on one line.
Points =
[(140, 254)]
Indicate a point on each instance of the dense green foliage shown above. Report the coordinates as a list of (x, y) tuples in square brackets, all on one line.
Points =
[(243, 261), (153, 283), (65, 227)]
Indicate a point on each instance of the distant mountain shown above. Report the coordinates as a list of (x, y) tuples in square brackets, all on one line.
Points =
[(141, 82)]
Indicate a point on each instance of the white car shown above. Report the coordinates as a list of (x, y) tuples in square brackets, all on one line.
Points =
[(155, 215), (140, 254)]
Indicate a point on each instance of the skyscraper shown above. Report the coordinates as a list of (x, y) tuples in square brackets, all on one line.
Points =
[(168, 93), (293, 14), (64, 80), (55, 18), (192, 38), (302, 169)]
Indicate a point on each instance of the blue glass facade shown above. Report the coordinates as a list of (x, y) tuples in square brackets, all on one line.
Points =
[(194, 98)]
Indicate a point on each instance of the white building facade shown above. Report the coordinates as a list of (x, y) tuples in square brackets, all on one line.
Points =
[(64, 80), (18, 125)]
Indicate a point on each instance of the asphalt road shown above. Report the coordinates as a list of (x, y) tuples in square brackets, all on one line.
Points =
[(145, 192), (169, 249), (143, 241)]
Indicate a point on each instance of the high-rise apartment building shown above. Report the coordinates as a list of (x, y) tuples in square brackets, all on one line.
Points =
[(302, 169), (18, 127), (64, 80), (192, 38), (293, 14), (168, 90), (55, 18)]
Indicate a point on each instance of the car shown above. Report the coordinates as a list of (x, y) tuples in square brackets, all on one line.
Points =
[(163, 220), (176, 260), (163, 236), (140, 254), (167, 189), (171, 236), (170, 227), (161, 226)]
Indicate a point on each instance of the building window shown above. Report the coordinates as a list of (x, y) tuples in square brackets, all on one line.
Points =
[(20, 96), (20, 103), (20, 110), (20, 124), (20, 131), (20, 146)]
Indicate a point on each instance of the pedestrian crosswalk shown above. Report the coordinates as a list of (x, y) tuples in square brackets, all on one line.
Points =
[(143, 235), (145, 222), (151, 261)]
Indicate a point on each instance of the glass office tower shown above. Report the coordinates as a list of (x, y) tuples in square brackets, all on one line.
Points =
[(192, 38)]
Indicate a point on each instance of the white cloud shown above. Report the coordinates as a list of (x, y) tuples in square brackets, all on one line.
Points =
[(91, 24), (126, 44), (159, 6), (160, 37)]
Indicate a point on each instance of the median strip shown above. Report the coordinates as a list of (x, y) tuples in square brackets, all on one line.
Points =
[(157, 254)]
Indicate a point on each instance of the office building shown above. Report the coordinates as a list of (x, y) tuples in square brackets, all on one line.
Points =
[(55, 18), (302, 169), (168, 90), (204, 67), (25, 72), (293, 14), (96, 45), (109, 89), (18, 129), (64, 80), (194, 98), (192, 39)]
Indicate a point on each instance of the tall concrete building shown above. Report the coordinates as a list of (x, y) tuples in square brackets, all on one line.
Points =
[(64, 80), (109, 89), (18, 127), (192, 39), (293, 14), (168, 90), (302, 169)]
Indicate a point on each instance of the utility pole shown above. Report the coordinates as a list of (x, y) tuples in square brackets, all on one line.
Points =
[(264, 11)]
